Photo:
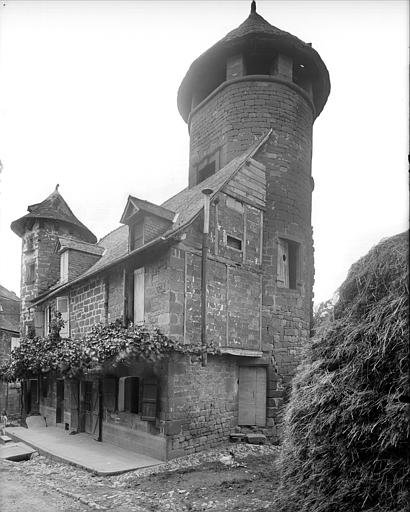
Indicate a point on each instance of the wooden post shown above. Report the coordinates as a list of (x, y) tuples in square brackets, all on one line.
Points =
[(204, 270), (100, 409)]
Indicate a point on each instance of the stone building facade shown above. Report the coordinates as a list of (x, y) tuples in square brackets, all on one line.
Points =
[(250, 102)]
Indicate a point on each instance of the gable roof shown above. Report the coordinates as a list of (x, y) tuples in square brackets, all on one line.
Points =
[(9, 311), (188, 204), (53, 207), (135, 206)]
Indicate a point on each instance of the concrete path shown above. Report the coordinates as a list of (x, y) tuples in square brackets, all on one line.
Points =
[(81, 450)]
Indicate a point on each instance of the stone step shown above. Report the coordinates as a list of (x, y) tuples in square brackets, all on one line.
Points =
[(5, 439), (256, 438)]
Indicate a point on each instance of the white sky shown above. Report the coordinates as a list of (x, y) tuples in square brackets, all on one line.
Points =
[(88, 100)]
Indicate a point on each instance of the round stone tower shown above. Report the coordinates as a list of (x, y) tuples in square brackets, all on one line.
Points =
[(40, 263), (258, 78)]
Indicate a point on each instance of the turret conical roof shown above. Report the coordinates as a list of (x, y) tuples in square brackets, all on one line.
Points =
[(53, 207), (255, 31)]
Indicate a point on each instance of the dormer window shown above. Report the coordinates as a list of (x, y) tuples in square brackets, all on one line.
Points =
[(137, 235), (64, 267)]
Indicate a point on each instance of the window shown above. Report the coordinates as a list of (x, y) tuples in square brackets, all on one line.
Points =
[(288, 264), (29, 243), (63, 308), (234, 243), (30, 272), (206, 171), (47, 320), (139, 296), (128, 394), (64, 267), (15, 343), (136, 235)]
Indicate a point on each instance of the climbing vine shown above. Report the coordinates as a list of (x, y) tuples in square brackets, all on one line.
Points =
[(110, 344)]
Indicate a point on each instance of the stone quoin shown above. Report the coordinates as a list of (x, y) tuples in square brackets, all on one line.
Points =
[(250, 102)]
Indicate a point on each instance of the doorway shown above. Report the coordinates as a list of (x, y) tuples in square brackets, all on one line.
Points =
[(252, 396), (91, 407)]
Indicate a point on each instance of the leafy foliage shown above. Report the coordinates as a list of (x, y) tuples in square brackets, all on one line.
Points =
[(109, 344), (347, 432)]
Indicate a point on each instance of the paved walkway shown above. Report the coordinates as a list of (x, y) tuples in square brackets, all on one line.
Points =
[(81, 450)]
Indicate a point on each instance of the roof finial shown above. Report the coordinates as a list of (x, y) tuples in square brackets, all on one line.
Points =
[(253, 7), (56, 190)]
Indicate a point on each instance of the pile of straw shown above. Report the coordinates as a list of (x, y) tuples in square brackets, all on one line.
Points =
[(346, 437)]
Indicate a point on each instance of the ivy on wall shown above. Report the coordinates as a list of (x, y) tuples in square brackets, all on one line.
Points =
[(105, 344)]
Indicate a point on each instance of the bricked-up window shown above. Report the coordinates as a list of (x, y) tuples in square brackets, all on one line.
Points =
[(30, 272), (128, 394), (206, 171), (64, 267), (62, 307), (288, 263), (234, 243)]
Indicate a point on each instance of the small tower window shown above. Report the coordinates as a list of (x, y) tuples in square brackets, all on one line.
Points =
[(288, 264), (30, 273), (29, 243)]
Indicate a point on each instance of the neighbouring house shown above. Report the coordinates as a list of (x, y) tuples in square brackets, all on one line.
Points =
[(250, 102), (9, 338)]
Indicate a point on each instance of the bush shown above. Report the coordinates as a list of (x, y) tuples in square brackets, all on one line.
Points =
[(346, 431)]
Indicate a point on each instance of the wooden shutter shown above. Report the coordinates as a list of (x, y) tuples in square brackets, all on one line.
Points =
[(139, 295), (252, 396), (260, 398), (62, 307), (283, 264), (64, 267), (149, 399)]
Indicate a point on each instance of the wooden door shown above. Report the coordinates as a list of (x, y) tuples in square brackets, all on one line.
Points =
[(283, 264), (91, 407), (252, 396), (60, 402)]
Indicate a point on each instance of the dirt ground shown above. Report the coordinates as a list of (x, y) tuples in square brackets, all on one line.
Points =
[(196, 483)]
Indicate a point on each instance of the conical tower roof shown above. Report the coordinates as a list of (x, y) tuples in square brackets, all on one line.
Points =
[(53, 207), (255, 31)]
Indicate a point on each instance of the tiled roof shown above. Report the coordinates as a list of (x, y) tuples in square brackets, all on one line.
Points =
[(53, 207), (9, 310), (187, 204), (65, 242)]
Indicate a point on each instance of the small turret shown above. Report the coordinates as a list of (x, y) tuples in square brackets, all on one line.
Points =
[(40, 230)]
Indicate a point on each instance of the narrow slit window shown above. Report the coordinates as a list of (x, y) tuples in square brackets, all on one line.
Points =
[(234, 243), (30, 273)]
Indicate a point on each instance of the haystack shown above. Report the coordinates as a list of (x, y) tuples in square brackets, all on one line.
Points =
[(346, 438)]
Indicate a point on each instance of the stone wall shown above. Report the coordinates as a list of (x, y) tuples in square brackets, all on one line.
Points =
[(86, 306), (243, 111), (201, 409)]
